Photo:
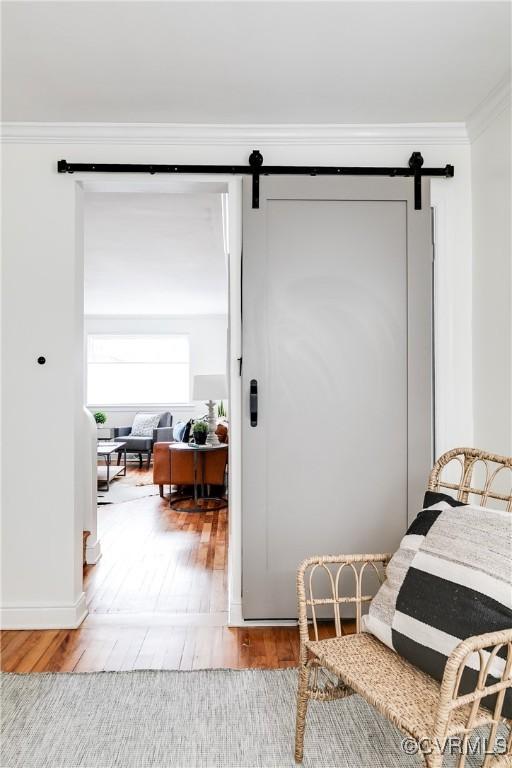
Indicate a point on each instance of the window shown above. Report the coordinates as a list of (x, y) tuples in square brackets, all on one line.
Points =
[(137, 370)]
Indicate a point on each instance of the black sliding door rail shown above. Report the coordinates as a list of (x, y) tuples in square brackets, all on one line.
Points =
[(256, 169)]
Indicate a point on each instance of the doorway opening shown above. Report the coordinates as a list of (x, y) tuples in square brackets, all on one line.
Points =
[(159, 344)]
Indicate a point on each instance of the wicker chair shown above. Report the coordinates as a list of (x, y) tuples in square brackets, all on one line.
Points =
[(422, 708)]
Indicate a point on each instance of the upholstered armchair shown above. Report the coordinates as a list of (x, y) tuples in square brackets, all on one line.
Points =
[(145, 445)]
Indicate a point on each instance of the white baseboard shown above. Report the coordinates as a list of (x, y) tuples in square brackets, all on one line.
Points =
[(92, 552), (44, 616), (236, 619)]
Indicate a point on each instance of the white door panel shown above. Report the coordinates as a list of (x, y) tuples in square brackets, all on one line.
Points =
[(329, 281)]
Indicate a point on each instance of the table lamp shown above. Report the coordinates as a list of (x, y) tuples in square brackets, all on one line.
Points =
[(210, 388)]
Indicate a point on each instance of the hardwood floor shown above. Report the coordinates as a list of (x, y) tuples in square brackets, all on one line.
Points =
[(157, 600), (158, 560), (146, 647)]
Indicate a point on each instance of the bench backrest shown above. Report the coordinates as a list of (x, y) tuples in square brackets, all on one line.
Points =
[(474, 476)]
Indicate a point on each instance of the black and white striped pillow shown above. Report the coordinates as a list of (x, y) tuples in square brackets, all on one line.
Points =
[(450, 579)]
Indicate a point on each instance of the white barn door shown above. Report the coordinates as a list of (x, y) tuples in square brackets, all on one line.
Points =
[(337, 301)]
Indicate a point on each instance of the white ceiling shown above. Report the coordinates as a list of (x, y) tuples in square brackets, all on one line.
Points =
[(154, 254), (250, 62)]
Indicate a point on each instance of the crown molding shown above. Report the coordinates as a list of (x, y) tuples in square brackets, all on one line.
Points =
[(489, 109), (260, 135)]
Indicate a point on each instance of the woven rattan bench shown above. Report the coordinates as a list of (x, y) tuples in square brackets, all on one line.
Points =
[(422, 708)]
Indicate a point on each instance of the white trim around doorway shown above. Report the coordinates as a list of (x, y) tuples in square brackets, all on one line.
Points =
[(232, 187)]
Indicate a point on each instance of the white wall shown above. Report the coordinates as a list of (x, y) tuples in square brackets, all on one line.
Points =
[(42, 304), (208, 342), (154, 254), (492, 297)]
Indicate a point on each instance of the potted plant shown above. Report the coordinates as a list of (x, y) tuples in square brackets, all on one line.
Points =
[(100, 417), (221, 411), (200, 431)]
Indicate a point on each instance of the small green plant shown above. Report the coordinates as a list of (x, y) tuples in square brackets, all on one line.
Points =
[(221, 411), (200, 432), (100, 417), (200, 428)]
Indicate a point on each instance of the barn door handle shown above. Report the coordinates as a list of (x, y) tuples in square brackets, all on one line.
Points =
[(253, 402)]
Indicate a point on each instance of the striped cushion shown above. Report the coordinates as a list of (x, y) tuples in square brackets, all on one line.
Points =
[(450, 579)]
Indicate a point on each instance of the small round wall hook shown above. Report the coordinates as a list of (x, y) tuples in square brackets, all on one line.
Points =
[(41, 360)]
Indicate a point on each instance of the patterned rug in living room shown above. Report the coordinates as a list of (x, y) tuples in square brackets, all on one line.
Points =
[(203, 719), (129, 488)]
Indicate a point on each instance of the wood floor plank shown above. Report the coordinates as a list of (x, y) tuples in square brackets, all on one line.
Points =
[(42, 662), (285, 647), (229, 653), (29, 640), (126, 650), (66, 656), (204, 647), (270, 647), (153, 649), (97, 651), (188, 649), (243, 637), (174, 648), (16, 639), (6, 638)]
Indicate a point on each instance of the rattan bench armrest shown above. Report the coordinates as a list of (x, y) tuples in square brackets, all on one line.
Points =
[(322, 561), (477, 643), (484, 648)]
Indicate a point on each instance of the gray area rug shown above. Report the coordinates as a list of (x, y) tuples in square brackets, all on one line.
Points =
[(153, 719)]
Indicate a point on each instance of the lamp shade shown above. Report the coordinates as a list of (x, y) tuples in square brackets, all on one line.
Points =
[(210, 387)]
